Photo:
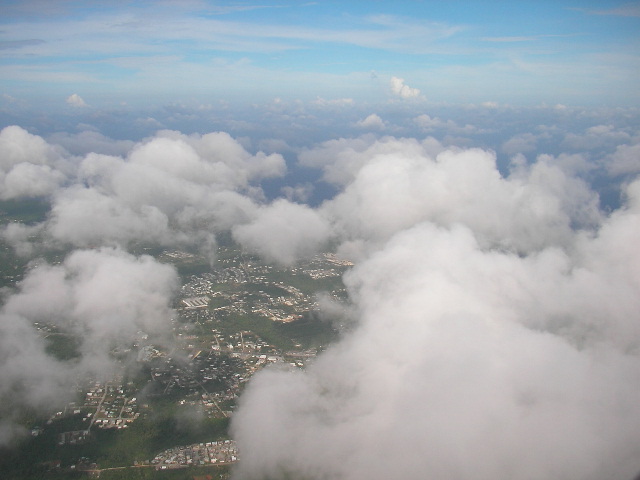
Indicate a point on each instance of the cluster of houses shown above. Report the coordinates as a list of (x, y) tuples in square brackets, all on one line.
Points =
[(219, 453)]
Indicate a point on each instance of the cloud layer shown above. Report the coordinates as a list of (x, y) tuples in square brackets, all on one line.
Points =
[(29, 166), (171, 189), (496, 310), (498, 330)]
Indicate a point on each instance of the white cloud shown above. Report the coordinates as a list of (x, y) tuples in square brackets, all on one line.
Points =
[(89, 141), (625, 160), (101, 297), (298, 193), (76, 100), (520, 143), (372, 122), (273, 145), (342, 158), (488, 325), (283, 232), (626, 10), (149, 122), (427, 122), (392, 184), (335, 102), (598, 136), (490, 104), (171, 189), (27, 180), (19, 146), (85, 217), (18, 234), (443, 361), (399, 88), (493, 314), (28, 165), (430, 124)]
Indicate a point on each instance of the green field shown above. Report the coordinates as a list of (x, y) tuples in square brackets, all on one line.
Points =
[(308, 332)]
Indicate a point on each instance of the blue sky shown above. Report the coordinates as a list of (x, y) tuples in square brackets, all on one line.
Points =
[(142, 53)]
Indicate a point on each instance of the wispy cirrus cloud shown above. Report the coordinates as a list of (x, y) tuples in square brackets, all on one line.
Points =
[(157, 32), (626, 10), (10, 44), (178, 45), (525, 38)]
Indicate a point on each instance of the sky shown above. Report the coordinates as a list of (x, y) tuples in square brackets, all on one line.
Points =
[(522, 52), (478, 162)]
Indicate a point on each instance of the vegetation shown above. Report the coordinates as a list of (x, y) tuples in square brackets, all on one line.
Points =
[(63, 346), (28, 211), (150, 473), (164, 422), (144, 439), (309, 331), (12, 267)]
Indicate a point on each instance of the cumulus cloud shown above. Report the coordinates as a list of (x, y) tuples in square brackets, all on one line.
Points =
[(398, 183), (497, 332), (429, 124), (28, 180), (598, 136), (493, 317), (85, 217), (452, 356), (18, 236), (76, 100), (335, 102), (372, 122), (521, 143), (89, 141), (29, 166), (341, 159), (149, 122), (625, 160), (398, 87), (171, 189), (298, 193), (103, 298), (284, 232)]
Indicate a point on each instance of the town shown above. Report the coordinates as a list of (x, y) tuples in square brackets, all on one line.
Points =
[(223, 452), (230, 321)]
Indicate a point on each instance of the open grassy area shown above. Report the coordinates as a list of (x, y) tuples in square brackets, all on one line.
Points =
[(307, 331)]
